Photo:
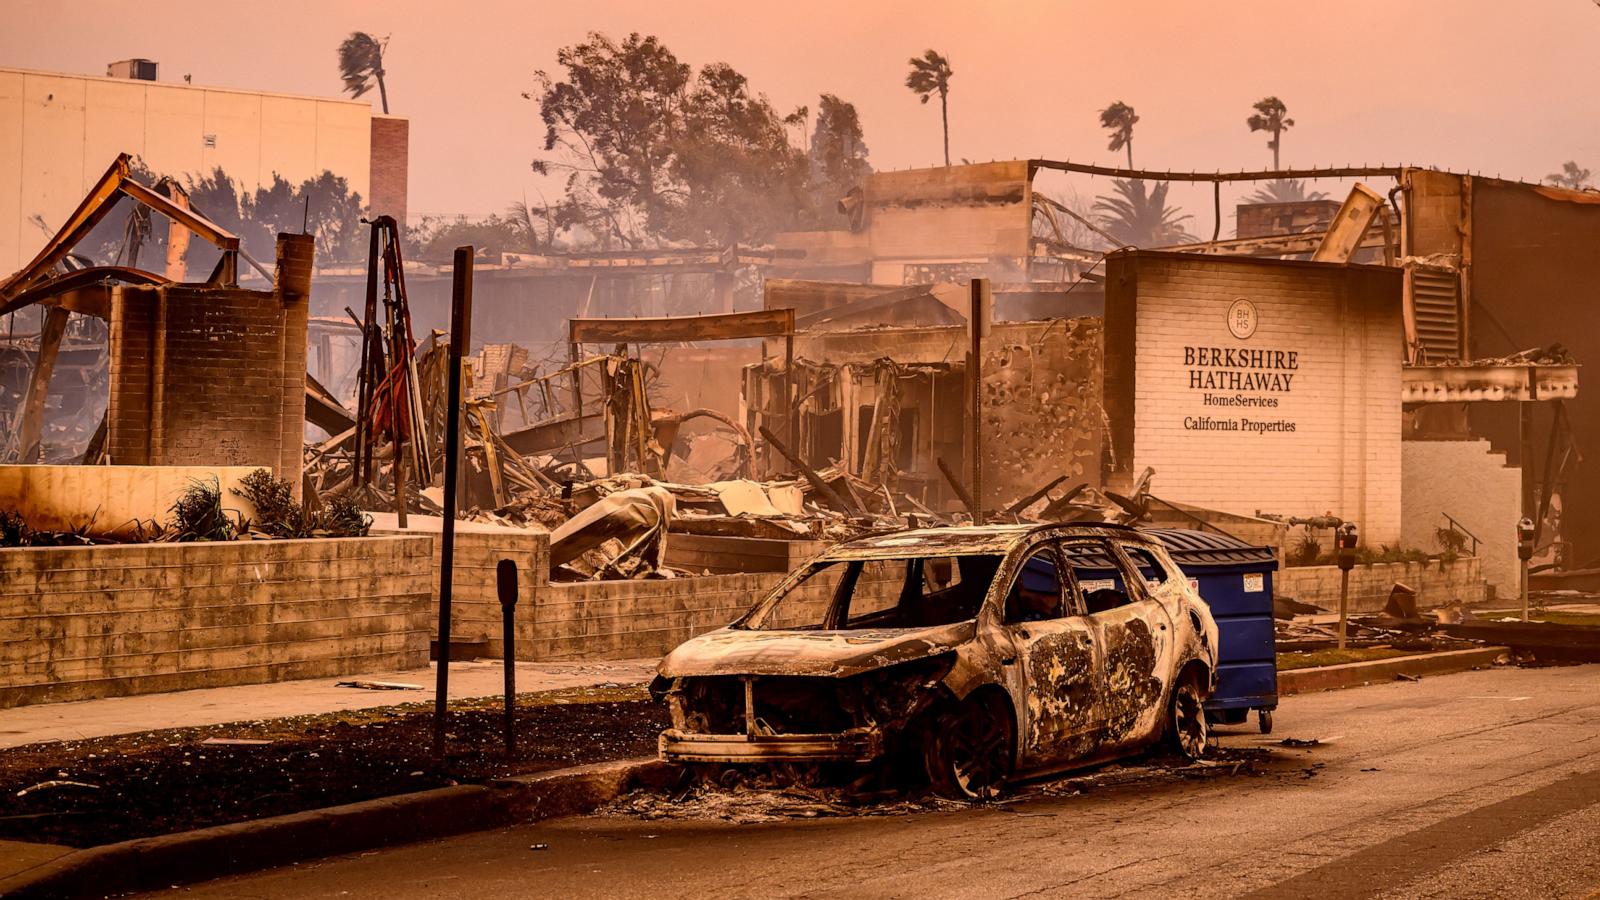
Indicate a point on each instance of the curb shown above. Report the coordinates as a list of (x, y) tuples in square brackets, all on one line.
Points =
[(206, 853), (1344, 675)]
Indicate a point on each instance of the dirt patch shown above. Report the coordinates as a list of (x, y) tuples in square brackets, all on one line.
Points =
[(97, 791)]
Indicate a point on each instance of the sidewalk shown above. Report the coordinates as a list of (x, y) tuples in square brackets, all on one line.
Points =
[(213, 706)]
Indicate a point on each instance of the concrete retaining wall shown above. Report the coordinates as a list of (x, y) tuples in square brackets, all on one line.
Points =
[(84, 622), (1436, 584), (479, 547)]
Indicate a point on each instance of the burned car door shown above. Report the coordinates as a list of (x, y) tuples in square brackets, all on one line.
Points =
[(1053, 667), (1135, 636)]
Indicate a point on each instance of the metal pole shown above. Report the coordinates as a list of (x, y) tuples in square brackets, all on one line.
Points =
[(1344, 604), (1526, 532), (460, 339), (1345, 539), (506, 583), (1523, 587)]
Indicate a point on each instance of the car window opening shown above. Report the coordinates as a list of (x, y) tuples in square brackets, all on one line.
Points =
[(905, 592), (1099, 576), (1035, 595)]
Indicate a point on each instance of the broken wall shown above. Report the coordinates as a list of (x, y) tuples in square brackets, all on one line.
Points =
[(1532, 279), (1041, 407), (207, 376), (926, 226)]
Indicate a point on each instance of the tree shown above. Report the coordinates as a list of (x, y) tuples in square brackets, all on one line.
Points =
[(1271, 116), (1572, 176), (1284, 190), (838, 151), (361, 64), (1120, 118), (930, 74), (1139, 218), (656, 152), (737, 177), (613, 123)]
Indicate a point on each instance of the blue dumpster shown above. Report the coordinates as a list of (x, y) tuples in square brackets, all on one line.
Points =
[(1235, 579)]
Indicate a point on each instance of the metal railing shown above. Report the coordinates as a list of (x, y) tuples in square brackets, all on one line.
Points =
[(1453, 525)]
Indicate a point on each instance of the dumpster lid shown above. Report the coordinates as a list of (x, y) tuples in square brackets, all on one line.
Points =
[(1209, 548)]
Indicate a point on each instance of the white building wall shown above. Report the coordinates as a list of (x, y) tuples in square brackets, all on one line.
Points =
[(1474, 485), (1334, 446), (59, 133)]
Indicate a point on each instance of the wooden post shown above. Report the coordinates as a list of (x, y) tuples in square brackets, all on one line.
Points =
[(460, 340), (44, 365), (791, 423), (977, 325)]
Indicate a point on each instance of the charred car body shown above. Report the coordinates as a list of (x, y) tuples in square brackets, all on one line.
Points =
[(969, 654)]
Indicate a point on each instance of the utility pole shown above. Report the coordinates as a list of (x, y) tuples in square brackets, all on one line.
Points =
[(460, 340)]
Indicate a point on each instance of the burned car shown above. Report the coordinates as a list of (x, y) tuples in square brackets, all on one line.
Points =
[(963, 655)]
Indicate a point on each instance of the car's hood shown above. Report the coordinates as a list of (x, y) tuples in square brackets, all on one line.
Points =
[(731, 651)]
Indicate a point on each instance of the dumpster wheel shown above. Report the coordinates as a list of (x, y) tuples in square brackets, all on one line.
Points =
[(1264, 719)]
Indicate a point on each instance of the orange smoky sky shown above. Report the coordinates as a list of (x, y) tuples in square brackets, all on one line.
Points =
[(1502, 88)]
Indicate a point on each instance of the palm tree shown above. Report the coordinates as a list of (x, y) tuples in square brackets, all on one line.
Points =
[(361, 63), (1572, 176), (1271, 115), (1284, 190), (931, 73), (1120, 118), (1142, 219)]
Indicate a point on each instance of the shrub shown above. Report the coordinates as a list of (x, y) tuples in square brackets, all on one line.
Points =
[(14, 532), (279, 515), (1307, 551), (197, 514)]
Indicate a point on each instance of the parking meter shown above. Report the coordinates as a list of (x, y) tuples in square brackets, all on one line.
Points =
[(506, 585), (1346, 542), (1525, 532)]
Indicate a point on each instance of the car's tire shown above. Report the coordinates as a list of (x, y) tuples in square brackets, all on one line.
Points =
[(968, 750), (1187, 730)]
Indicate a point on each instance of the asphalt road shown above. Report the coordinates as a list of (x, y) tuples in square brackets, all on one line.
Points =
[(1483, 784)]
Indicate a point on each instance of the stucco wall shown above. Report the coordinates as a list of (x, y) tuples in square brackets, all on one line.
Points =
[(59, 132), (1474, 485), (112, 620), (1312, 425)]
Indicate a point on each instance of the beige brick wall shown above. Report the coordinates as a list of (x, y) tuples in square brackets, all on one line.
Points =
[(1335, 447), (207, 376), (112, 620), (1474, 485), (1436, 584)]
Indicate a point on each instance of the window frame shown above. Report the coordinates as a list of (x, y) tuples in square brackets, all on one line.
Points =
[(1062, 603)]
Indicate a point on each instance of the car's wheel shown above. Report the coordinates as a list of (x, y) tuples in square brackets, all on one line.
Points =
[(968, 751), (1187, 731)]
